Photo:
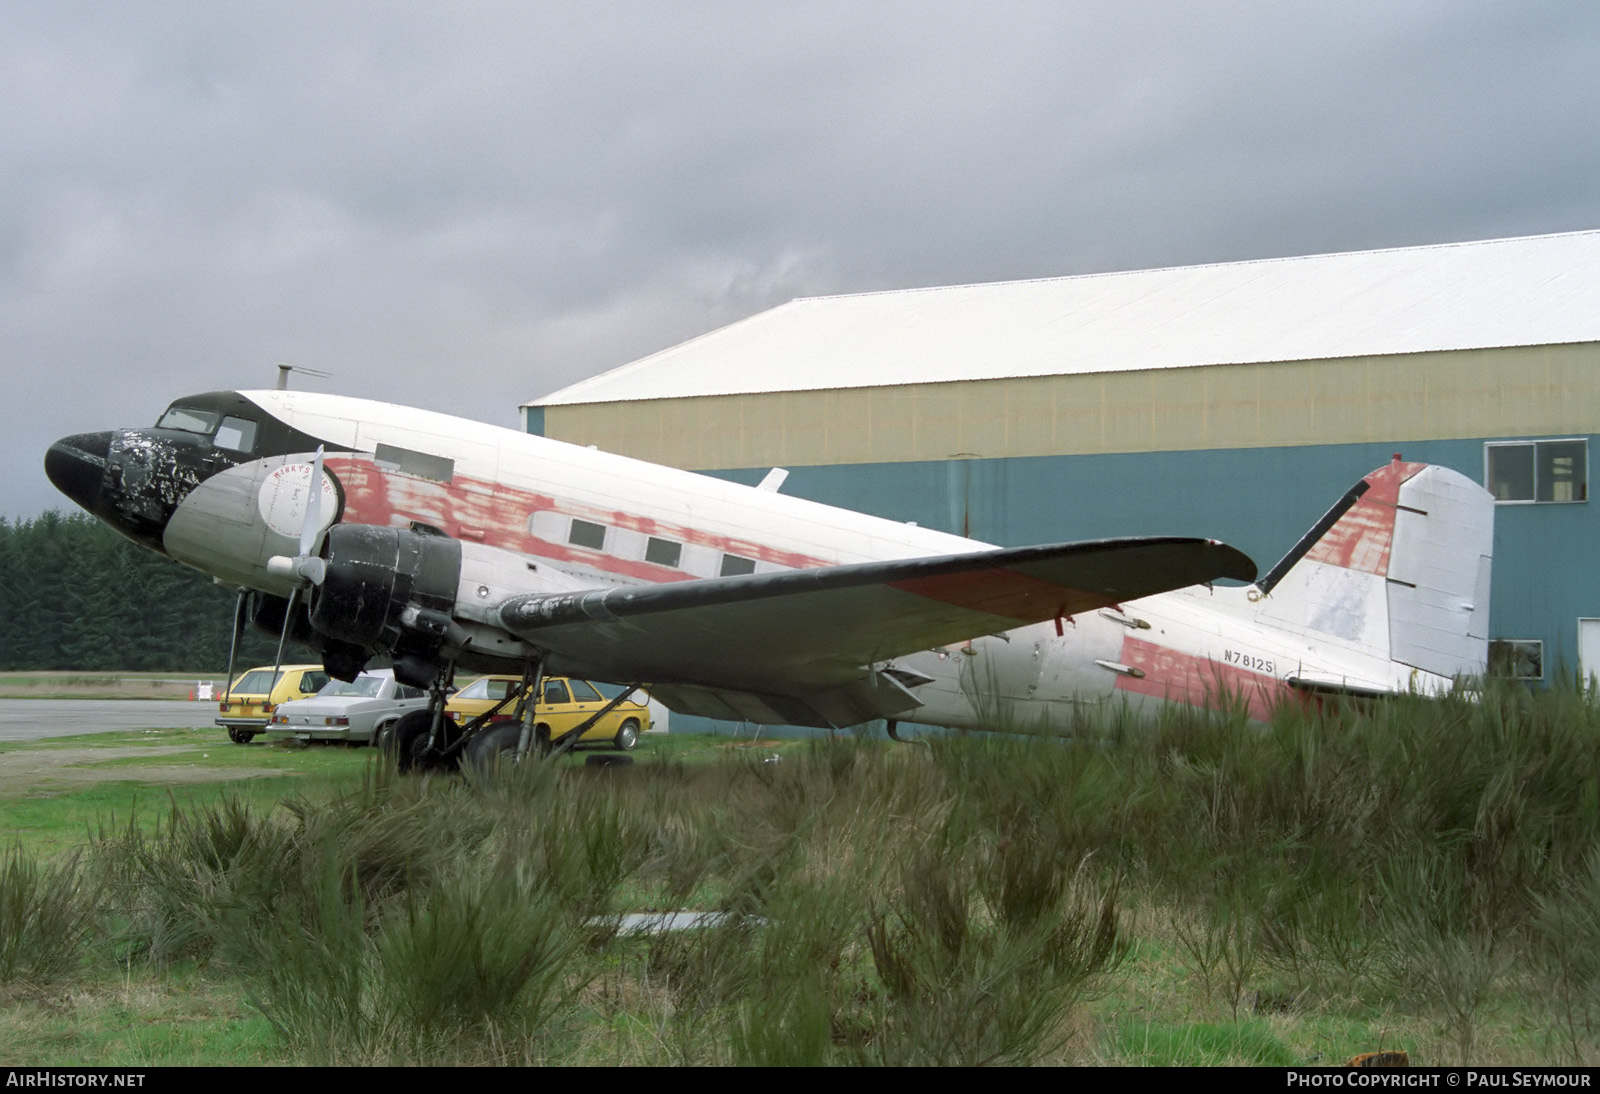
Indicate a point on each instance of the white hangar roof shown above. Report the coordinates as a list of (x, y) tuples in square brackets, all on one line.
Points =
[(1536, 290)]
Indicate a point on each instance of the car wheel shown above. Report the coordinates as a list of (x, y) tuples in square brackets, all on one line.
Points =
[(627, 736), (239, 736)]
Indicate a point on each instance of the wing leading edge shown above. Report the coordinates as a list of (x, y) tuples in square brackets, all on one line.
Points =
[(803, 644)]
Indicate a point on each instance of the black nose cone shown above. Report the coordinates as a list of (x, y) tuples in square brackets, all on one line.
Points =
[(77, 467)]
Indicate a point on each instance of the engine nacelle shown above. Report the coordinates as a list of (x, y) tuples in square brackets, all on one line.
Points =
[(421, 597), (389, 589)]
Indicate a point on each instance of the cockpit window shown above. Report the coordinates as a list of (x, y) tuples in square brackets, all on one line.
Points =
[(236, 434), (188, 419)]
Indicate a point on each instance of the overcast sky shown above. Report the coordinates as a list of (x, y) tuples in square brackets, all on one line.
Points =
[(468, 205)]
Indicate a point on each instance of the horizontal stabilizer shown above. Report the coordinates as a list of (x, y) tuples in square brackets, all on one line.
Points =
[(811, 631)]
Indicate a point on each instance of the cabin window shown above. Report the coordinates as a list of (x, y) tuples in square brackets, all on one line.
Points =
[(1537, 471), (663, 552), (734, 564), (1516, 658), (582, 692), (416, 464), (555, 692), (586, 533), (237, 434)]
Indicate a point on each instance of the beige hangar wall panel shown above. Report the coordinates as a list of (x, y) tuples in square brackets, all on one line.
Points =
[(1504, 392)]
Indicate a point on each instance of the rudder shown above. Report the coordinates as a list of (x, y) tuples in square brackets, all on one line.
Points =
[(1400, 565)]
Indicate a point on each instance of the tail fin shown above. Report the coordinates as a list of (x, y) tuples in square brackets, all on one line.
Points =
[(1399, 565)]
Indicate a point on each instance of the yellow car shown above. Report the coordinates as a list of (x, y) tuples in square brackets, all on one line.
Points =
[(246, 707), (566, 703)]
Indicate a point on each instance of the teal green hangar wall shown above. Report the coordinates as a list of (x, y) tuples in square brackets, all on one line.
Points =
[(1261, 500)]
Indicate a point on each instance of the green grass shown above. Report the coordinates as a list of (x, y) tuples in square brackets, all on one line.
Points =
[(184, 1019), (1200, 1044), (1405, 875), (102, 685)]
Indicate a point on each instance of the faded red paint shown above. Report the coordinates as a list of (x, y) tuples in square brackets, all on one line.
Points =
[(1362, 538), (1002, 592), (499, 515), (1198, 681)]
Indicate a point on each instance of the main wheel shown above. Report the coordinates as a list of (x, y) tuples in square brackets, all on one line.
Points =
[(239, 736), (407, 742), (627, 736), (495, 745)]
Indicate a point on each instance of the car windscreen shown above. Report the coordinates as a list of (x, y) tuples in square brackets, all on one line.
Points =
[(367, 687)]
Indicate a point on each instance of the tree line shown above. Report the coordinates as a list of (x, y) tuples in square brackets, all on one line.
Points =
[(76, 595)]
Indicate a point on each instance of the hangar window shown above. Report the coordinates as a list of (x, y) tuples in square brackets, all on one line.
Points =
[(586, 533), (1537, 471), (733, 564), (1516, 658), (663, 552)]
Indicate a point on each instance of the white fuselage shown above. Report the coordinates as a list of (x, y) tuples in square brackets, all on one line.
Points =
[(590, 518)]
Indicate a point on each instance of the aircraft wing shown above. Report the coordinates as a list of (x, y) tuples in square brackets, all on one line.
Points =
[(795, 638)]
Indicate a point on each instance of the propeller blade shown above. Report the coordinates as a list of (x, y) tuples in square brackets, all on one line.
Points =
[(305, 567), (313, 525)]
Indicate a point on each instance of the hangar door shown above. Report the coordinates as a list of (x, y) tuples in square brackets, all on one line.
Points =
[(1589, 650)]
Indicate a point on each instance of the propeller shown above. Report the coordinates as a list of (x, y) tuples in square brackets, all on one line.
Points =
[(305, 567)]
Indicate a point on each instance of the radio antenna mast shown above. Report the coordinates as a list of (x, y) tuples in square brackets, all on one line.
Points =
[(284, 370)]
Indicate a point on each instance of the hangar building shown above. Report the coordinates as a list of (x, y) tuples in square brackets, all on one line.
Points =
[(1236, 401)]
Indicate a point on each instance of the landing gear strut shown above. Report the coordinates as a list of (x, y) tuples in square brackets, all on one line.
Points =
[(424, 740)]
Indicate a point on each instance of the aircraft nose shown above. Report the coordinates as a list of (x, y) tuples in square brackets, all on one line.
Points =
[(77, 467)]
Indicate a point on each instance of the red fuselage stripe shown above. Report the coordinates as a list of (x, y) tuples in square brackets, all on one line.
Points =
[(499, 516)]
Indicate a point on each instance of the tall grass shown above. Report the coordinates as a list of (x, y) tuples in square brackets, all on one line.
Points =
[(48, 915), (964, 902)]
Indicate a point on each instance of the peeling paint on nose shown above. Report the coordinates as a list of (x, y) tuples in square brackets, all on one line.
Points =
[(132, 479)]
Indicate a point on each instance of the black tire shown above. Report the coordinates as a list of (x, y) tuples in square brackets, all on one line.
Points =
[(407, 742), (627, 736), (492, 746), (378, 734), (240, 736)]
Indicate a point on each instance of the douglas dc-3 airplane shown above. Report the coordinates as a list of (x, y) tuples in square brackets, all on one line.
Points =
[(370, 530)]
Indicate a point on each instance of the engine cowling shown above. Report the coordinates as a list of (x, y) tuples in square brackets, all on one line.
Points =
[(389, 589)]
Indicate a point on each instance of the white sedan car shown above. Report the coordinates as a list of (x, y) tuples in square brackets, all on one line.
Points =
[(356, 711)]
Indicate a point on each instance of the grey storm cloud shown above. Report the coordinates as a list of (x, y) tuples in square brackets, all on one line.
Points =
[(467, 205)]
